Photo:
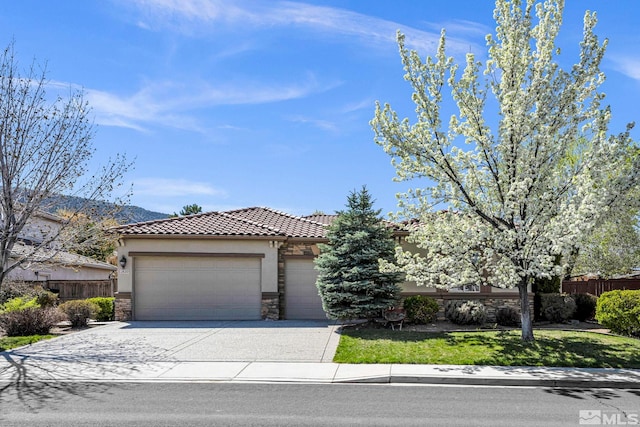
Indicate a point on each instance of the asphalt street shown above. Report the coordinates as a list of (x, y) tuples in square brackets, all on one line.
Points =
[(225, 404)]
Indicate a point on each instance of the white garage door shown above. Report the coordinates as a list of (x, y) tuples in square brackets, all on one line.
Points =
[(197, 288), (301, 293)]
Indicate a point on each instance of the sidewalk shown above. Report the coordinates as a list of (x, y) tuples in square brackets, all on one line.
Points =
[(301, 372), (417, 374)]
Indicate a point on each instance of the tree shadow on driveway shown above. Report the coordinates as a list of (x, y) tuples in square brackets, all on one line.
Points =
[(38, 375)]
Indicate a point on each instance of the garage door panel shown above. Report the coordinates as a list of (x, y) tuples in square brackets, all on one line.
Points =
[(301, 293), (198, 288)]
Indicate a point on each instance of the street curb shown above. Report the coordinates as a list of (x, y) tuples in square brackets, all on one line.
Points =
[(521, 382), (482, 382)]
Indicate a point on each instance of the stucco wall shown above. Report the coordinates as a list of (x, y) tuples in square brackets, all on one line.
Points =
[(411, 287), (59, 273), (40, 228), (269, 264)]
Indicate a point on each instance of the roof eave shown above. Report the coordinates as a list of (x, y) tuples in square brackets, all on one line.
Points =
[(97, 266), (201, 237), (308, 239)]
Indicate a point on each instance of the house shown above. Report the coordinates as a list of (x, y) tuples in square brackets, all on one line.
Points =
[(51, 266), (220, 265), (245, 264)]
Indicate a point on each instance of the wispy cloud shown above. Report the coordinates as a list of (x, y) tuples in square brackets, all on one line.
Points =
[(170, 104), (629, 66), (319, 123), (461, 28), (150, 105), (251, 92), (365, 104), (195, 17), (175, 102), (174, 188)]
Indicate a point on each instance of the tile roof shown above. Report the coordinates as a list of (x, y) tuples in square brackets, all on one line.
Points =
[(52, 256), (321, 218), (256, 221), (328, 219)]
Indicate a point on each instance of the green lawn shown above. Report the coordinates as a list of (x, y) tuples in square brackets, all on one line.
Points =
[(7, 343), (498, 348)]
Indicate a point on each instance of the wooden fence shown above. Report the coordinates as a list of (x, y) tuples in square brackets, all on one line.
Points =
[(70, 289), (599, 286)]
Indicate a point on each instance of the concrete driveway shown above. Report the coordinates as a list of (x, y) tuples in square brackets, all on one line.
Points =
[(134, 349), (242, 341)]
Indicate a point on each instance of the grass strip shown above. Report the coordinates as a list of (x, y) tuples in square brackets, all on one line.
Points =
[(7, 343), (496, 348)]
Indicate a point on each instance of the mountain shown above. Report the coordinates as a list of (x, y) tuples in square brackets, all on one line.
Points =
[(130, 214), (123, 214)]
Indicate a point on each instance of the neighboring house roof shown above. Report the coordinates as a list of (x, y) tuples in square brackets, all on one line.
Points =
[(322, 218), (65, 259), (398, 229), (596, 276), (632, 275), (49, 216), (251, 222)]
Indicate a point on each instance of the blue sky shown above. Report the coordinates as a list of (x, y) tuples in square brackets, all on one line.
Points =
[(231, 104)]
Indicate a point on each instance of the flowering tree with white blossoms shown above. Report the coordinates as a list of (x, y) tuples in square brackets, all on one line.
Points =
[(611, 249), (527, 165)]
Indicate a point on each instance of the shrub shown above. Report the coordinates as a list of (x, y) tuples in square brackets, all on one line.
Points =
[(557, 308), (507, 316), (29, 321), (79, 311), (620, 312), (544, 286), (548, 286), (465, 312), (106, 308), (47, 298), (421, 309), (585, 306), (18, 304), (13, 289)]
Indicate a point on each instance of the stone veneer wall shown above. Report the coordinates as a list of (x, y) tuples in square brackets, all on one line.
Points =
[(122, 306), (492, 301), (291, 250), (270, 306)]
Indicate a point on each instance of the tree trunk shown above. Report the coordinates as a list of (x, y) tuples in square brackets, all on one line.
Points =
[(4, 265), (525, 312)]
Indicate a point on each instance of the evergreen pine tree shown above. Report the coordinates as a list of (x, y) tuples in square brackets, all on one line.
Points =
[(350, 282)]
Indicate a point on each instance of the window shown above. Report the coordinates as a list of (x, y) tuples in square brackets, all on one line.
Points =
[(466, 288)]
